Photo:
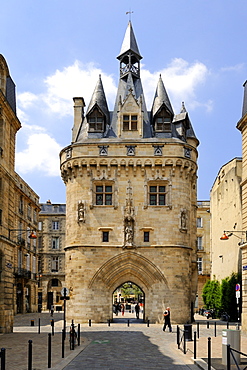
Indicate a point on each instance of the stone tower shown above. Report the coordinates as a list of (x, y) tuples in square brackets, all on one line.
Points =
[(131, 178)]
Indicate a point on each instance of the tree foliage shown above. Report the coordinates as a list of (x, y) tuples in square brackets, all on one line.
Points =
[(221, 297)]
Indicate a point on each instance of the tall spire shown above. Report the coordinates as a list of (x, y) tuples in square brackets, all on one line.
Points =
[(129, 42)]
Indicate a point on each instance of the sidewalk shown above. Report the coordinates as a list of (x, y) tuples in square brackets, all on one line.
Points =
[(102, 347)]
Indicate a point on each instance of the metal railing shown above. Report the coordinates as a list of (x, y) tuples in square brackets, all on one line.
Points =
[(230, 354)]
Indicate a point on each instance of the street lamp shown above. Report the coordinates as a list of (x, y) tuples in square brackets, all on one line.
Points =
[(227, 234), (21, 231)]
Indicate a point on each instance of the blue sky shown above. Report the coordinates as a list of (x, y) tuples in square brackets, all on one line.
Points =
[(56, 50)]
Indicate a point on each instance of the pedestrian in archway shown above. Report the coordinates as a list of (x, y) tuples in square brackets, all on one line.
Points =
[(122, 309), (167, 318), (52, 310), (137, 310)]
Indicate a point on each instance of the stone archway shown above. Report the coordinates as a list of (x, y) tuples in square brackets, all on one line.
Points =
[(128, 266)]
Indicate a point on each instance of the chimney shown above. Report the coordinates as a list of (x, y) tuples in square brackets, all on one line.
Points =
[(79, 105)]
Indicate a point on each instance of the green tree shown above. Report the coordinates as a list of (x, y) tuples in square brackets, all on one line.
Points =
[(228, 293), (211, 295)]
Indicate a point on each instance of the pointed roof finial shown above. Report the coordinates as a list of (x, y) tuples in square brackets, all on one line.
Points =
[(183, 109), (129, 12)]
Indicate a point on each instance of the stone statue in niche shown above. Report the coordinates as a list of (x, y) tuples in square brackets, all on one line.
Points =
[(81, 211), (183, 220), (129, 220)]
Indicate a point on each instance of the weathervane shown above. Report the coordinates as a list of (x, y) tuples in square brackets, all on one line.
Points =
[(129, 12)]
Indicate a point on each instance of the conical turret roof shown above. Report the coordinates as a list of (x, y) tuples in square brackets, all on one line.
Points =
[(161, 98), (129, 42), (99, 99)]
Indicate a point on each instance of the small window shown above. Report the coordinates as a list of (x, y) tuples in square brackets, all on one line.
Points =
[(55, 243), (130, 122), (29, 211), (96, 121), (199, 265), (21, 205), (163, 121), (55, 225), (40, 227), (103, 195), (146, 236), (157, 195), (199, 243), (199, 222), (54, 264), (105, 236)]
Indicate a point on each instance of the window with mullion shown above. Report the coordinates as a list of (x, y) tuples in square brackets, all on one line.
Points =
[(96, 121), (103, 195), (157, 195), (130, 122)]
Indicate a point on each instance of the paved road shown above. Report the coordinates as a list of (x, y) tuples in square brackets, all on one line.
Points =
[(133, 347)]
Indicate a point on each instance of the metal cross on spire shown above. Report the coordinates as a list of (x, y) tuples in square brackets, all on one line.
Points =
[(129, 12)]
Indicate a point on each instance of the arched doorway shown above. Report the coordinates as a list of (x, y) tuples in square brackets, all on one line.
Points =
[(128, 302)]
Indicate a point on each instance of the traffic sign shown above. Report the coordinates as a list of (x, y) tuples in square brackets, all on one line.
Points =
[(237, 294), (237, 287), (66, 292)]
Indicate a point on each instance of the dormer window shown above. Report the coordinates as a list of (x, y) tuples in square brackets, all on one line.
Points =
[(163, 121), (130, 122), (96, 121)]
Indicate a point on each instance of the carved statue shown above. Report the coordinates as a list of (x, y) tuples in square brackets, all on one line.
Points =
[(183, 220), (129, 220), (81, 211)]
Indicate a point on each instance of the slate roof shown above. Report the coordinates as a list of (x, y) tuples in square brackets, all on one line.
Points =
[(129, 42)]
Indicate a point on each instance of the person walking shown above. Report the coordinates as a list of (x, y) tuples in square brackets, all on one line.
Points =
[(52, 310), (167, 318), (137, 310)]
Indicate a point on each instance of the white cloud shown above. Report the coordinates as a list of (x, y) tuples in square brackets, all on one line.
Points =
[(237, 68), (74, 81), (181, 81), (41, 154)]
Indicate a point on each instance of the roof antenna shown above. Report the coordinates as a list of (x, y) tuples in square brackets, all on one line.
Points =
[(129, 12)]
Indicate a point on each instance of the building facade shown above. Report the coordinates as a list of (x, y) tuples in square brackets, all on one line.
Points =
[(226, 215), (203, 247), (51, 242), (19, 208), (131, 200), (242, 126)]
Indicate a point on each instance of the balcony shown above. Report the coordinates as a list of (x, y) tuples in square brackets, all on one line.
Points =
[(22, 273)]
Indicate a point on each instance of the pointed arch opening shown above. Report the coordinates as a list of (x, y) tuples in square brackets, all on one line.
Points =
[(128, 303)]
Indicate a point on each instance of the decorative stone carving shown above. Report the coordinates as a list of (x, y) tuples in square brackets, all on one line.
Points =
[(81, 211), (183, 220), (131, 149), (103, 149), (129, 220)]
